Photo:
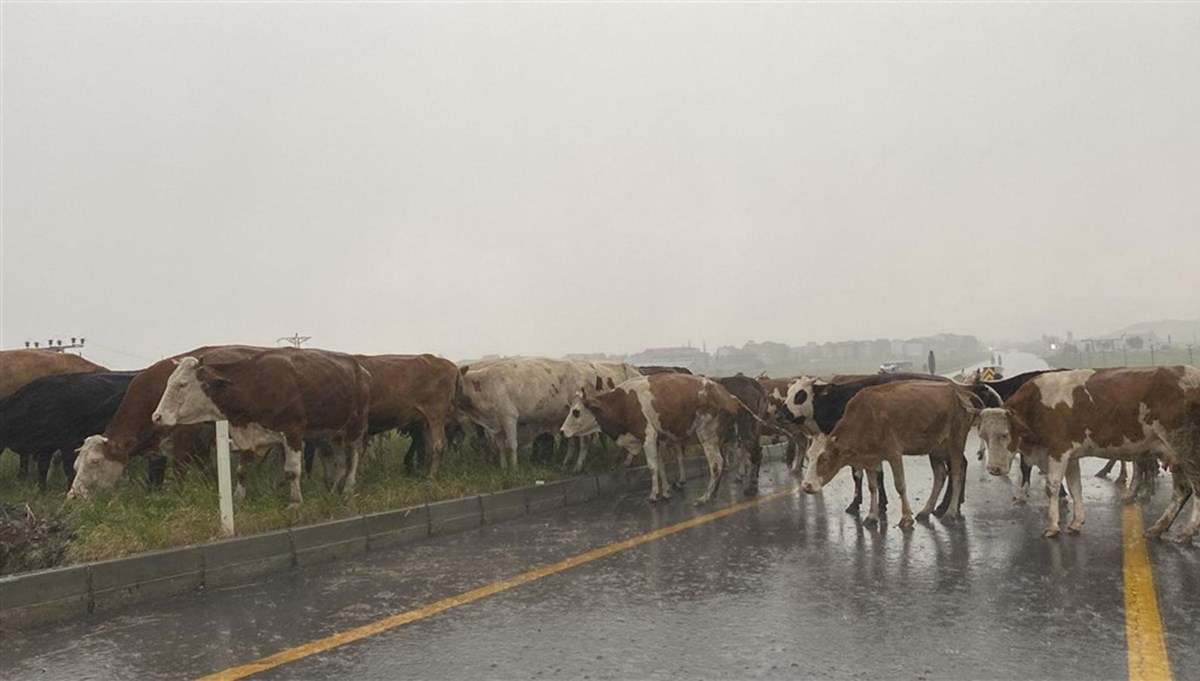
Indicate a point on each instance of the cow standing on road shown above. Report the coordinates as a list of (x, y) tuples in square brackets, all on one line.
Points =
[(887, 422), (644, 412), (1110, 413), (282, 395), (818, 406)]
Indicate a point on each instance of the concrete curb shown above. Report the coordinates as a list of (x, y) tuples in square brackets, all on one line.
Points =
[(36, 598)]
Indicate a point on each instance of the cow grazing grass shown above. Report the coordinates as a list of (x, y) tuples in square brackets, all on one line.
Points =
[(132, 518)]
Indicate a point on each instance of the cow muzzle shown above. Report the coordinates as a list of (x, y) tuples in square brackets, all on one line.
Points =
[(995, 470), (810, 487)]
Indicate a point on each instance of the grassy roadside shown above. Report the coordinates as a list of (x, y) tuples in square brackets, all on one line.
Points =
[(132, 519)]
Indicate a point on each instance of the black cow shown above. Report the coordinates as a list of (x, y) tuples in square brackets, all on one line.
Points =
[(823, 408), (56, 413)]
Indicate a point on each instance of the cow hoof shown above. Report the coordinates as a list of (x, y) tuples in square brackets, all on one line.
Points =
[(678, 484), (906, 523), (652, 499), (1155, 532), (852, 509), (1182, 539), (1050, 533), (293, 506), (871, 520), (750, 492), (1019, 501), (1102, 473), (923, 516)]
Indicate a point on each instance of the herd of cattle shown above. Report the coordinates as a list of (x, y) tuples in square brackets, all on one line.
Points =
[(311, 402)]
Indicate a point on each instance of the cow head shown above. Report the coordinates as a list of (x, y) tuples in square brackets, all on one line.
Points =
[(1002, 430), (94, 469), (798, 403), (186, 398), (581, 420), (822, 461)]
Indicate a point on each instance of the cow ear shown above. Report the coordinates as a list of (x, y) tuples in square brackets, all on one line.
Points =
[(599, 384)]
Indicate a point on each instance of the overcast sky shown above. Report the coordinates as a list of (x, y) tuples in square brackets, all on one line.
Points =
[(544, 179)]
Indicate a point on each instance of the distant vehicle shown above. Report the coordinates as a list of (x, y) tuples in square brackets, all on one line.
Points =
[(895, 367)]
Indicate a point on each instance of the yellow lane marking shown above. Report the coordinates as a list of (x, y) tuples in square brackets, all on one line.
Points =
[(351, 635), (1143, 626)]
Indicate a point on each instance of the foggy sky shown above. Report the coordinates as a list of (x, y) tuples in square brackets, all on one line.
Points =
[(526, 179)]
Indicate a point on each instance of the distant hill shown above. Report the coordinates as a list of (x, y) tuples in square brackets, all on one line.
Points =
[(1180, 330)]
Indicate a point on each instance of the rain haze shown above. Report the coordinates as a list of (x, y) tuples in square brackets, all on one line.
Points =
[(548, 179)]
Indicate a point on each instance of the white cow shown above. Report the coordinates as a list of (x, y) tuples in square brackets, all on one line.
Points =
[(529, 396)]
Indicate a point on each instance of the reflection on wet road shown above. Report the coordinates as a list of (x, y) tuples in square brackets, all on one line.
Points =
[(791, 587)]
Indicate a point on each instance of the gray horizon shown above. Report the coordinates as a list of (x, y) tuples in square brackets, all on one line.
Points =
[(552, 179)]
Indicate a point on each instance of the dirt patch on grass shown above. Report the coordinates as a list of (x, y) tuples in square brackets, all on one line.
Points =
[(28, 542)]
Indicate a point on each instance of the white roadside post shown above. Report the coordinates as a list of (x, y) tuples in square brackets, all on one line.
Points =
[(224, 478)]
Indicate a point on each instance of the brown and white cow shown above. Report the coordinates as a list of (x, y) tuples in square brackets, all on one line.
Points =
[(102, 458), (667, 408), (796, 436), (416, 394), (887, 422), (281, 395), (1111, 413), (523, 396)]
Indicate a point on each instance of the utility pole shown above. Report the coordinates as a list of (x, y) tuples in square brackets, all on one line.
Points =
[(57, 345), (295, 341)]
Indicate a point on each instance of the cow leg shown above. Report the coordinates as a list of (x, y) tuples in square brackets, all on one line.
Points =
[(958, 476), (1193, 525), (716, 466), (651, 449), (310, 453), (572, 451), (751, 487), (69, 453), (1076, 487), (873, 509), (855, 503), (245, 458), (434, 432), (1181, 491), (1026, 474), (1103, 472), (682, 480), (1123, 476), (883, 502), (23, 468), (906, 514), (156, 471), (1058, 469), (510, 444), (355, 448), (292, 468), (43, 464), (939, 478)]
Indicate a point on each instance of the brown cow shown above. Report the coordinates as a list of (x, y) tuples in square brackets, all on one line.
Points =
[(413, 393), (131, 432), (281, 395), (795, 435), (18, 367), (1112, 413), (674, 407), (890, 421)]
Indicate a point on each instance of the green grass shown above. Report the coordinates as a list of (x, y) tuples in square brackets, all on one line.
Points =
[(132, 518)]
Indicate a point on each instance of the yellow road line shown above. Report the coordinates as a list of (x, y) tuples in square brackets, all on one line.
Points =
[(351, 635), (1143, 625)]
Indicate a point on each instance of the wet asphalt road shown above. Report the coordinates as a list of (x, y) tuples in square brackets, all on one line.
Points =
[(791, 588)]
